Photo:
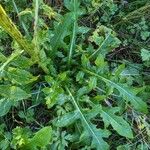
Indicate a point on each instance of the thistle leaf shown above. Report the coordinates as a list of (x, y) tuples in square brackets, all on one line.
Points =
[(13, 92), (125, 92), (117, 122), (97, 136), (42, 137), (20, 76), (67, 119), (5, 105)]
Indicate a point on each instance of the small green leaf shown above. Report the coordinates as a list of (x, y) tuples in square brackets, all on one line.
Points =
[(92, 82), (85, 61), (106, 39), (119, 70), (79, 76), (60, 32), (83, 90), (5, 105), (100, 61), (72, 5), (117, 122), (22, 62), (100, 97), (13, 92), (67, 119), (145, 35), (145, 54), (20, 76), (42, 137), (83, 29), (48, 11), (62, 76)]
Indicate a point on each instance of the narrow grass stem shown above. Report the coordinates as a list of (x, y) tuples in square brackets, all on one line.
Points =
[(72, 43), (22, 23), (73, 36)]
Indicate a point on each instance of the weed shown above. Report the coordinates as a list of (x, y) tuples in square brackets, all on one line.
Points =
[(67, 84)]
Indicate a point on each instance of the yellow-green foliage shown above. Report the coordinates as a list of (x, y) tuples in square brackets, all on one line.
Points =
[(12, 30)]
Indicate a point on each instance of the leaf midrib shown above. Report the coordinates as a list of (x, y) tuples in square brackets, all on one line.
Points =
[(84, 119)]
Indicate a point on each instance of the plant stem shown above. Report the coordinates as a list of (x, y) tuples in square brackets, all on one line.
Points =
[(72, 43), (12, 30), (22, 23), (85, 120), (73, 36)]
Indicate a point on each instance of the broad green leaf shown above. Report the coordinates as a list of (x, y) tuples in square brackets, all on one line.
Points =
[(13, 92), (117, 122), (67, 119), (74, 7), (61, 30), (97, 137), (125, 92), (86, 135), (20, 76), (5, 105), (66, 27), (42, 137)]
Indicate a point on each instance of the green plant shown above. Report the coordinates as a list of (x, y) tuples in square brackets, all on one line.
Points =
[(21, 138), (59, 86)]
